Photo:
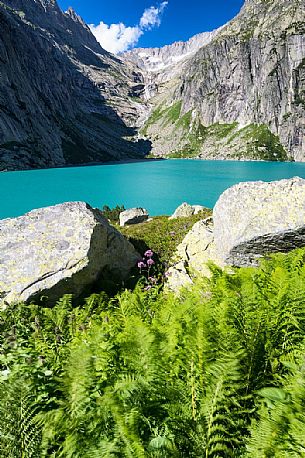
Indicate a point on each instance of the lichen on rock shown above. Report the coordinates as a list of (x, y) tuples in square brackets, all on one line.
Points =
[(250, 220), (59, 250)]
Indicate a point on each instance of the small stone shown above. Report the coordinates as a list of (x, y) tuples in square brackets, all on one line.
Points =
[(133, 216), (185, 210)]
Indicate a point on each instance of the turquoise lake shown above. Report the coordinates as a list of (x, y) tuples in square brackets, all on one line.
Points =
[(159, 186)]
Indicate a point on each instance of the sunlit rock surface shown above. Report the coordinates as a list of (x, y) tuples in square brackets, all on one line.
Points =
[(253, 219), (59, 250), (250, 220), (235, 94), (133, 216)]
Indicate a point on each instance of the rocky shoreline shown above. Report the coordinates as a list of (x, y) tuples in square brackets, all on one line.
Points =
[(69, 247)]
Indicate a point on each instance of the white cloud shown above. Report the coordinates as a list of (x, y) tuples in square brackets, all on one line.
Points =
[(118, 38), (152, 16)]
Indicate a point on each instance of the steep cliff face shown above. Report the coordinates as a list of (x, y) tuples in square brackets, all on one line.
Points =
[(234, 93), (242, 95), (63, 99), (161, 65)]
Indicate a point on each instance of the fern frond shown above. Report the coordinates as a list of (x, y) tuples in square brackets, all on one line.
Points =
[(20, 426)]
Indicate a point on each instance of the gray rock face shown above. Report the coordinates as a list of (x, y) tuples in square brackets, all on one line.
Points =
[(258, 73), (156, 59), (63, 99), (184, 210), (256, 218), (192, 255), (133, 216), (59, 250), (160, 65), (250, 74), (250, 220)]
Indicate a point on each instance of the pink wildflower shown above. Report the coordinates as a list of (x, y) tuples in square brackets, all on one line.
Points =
[(149, 253)]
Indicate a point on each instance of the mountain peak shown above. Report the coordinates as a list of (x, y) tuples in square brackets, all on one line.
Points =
[(75, 17)]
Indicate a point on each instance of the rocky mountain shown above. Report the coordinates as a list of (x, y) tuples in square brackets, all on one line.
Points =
[(63, 99), (235, 93), (240, 94), (159, 65)]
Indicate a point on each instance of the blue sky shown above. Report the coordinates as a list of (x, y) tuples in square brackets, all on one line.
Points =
[(164, 21)]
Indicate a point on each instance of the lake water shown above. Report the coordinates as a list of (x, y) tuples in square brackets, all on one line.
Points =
[(159, 186)]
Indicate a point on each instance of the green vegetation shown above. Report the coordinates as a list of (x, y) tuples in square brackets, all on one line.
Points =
[(254, 141), (151, 374), (154, 117), (220, 130), (113, 214), (287, 116), (260, 143), (185, 120), (195, 137), (135, 98), (161, 234), (172, 113), (166, 114)]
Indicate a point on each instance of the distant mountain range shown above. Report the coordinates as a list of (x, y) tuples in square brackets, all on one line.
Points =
[(234, 93)]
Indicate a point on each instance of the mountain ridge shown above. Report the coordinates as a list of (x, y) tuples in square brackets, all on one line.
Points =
[(240, 96), (237, 92), (63, 98)]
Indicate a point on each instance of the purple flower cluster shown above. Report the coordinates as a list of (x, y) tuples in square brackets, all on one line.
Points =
[(147, 263), (149, 254)]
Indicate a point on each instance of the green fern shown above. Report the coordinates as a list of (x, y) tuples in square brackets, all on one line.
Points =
[(279, 432), (20, 427), (151, 374)]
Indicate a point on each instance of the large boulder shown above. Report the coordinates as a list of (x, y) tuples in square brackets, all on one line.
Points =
[(250, 220), (56, 250), (192, 255), (255, 218), (133, 216), (184, 210)]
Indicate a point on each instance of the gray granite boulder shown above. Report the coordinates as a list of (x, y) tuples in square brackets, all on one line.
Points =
[(133, 216), (192, 255), (184, 210), (256, 218), (57, 250), (249, 221)]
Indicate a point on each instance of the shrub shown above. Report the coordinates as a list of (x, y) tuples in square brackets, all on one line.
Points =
[(113, 214), (162, 235)]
